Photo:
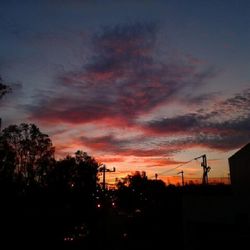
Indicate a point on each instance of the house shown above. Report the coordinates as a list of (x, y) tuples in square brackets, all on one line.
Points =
[(239, 165)]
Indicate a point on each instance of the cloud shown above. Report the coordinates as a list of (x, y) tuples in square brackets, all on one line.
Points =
[(156, 161), (224, 128), (110, 159), (194, 123), (137, 146), (179, 124), (239, 104), (123, 79), (222, 142), (104, 143)]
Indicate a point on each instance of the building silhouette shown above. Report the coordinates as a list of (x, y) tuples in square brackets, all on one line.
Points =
[(239, 164)]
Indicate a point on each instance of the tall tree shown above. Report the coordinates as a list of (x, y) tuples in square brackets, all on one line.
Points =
[(25, 151)]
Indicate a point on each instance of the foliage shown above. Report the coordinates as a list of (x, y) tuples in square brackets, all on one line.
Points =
[(25, 152), (137, 191), (78, 174)]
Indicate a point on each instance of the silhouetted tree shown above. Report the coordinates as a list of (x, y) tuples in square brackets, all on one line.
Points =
[(137, 181), (78, 174), (137, 191), (4, 89), (26, 153), (86, 171)]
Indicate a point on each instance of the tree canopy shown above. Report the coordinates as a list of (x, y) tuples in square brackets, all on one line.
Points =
[(25, 151), (77, 173)]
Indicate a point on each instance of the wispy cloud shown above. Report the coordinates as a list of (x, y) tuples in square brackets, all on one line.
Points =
[(122, 79), (225, 127)]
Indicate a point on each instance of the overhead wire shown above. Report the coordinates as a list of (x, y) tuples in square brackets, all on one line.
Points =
[(174, 168), (171, 169)]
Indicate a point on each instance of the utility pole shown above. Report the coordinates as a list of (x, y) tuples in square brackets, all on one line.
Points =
[(103, 170), (206, 169), (182, 177)]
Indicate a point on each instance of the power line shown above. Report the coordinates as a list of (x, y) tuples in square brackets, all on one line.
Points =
[(169, 170), (203, 164)]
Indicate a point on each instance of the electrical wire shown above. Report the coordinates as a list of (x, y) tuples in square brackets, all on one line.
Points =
[(169, 170)]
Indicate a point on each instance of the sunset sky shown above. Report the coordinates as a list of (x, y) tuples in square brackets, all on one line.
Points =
[(139, 85)]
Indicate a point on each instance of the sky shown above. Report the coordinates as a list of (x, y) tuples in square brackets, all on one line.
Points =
[(139, 85)]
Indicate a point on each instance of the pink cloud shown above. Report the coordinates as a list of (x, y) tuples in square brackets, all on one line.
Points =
[(123, 79)]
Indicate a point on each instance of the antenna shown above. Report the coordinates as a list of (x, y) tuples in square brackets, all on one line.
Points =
[(182, 177), (103, 169), (206, 169)]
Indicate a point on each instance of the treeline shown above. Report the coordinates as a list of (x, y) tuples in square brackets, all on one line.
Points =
[(27, 162)]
